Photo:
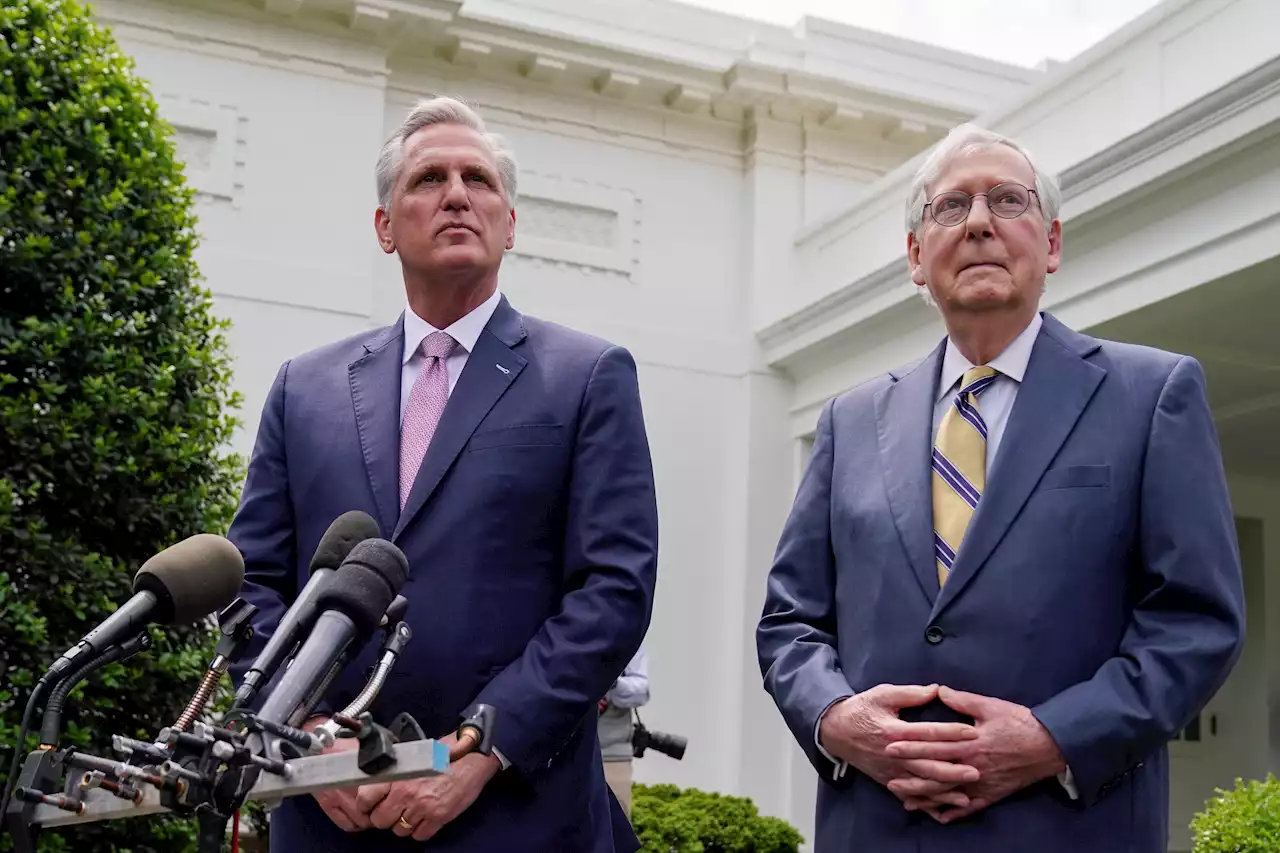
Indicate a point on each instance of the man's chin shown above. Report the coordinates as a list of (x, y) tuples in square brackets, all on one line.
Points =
[(457, 259)]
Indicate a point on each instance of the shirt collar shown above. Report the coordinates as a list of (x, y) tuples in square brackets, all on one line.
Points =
[(1012, 362), (465, 330)]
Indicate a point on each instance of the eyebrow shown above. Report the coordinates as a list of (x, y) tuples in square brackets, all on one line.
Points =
[(468, 166)]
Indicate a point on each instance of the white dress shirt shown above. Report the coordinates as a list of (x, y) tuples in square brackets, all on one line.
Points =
[(631, 690), (995, 403), (465, 330)]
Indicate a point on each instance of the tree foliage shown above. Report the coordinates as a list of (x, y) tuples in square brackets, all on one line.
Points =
[(114, 384), (674, 820)]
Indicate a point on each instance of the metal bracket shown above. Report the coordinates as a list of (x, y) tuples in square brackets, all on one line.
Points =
[(306, 775)]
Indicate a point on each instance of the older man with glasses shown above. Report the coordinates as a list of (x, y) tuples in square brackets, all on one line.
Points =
[(1010, 574)]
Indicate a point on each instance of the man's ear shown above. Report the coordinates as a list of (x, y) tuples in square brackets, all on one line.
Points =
[(382, 227), (1055, 245), (511, 229), (913, 259)]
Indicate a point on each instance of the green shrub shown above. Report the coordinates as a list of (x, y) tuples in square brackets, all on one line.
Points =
[(673, 820), (1245, 819), (114, 386)]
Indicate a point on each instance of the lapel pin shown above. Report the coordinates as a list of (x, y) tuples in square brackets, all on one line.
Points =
[(503, 369)]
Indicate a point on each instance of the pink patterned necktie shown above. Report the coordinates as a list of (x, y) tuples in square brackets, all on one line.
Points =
[(426, 405)]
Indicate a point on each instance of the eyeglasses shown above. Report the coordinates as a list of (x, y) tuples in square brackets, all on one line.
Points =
[(1008, 201)]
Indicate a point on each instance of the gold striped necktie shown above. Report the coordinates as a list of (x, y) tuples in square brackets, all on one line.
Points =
[(959, 468)]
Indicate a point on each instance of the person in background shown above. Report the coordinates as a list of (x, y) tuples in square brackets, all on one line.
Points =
[(617, 722)]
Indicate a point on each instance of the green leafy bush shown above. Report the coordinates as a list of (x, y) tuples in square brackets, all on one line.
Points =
[(674, 820), (1245, 819), (114, 385)]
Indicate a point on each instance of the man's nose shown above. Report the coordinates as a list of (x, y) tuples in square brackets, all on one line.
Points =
[(978, 222), (455, 194)]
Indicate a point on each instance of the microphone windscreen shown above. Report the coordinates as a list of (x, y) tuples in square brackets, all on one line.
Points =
[(366, 583), (346, 531), (192, 578), (382, 557)]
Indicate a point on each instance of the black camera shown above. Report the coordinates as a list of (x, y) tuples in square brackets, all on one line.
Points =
[(642, 739)]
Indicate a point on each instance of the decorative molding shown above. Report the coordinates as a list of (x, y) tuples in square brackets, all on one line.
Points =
[(247, 36), (369, 17), (584, 225), (666, 57), (210, 142), (1174, 129), (703, 140)]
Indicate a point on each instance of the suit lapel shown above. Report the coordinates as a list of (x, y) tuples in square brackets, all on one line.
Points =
[(904, 426), (1057, 386), (491, 368), (375, 394)]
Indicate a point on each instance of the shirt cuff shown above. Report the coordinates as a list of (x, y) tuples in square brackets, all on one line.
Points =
[(1069, 783), (840, 764)]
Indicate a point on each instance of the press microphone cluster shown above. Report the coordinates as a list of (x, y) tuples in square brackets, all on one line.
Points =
[(209, 771), (345, 533)]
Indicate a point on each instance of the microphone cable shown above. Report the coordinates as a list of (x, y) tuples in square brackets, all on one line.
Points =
[(10, 782), (51, 725)]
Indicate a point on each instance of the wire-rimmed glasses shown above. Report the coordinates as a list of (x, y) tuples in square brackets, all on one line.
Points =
[(1008, 201)]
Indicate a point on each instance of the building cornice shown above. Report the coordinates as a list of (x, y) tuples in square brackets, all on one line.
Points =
[(646, 54)]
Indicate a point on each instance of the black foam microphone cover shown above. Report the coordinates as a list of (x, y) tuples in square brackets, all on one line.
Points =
[(191, 579), (366, 583), (346, 531)]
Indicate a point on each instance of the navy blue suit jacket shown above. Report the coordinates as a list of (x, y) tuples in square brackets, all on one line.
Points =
[(531, 535), (1098, 584)]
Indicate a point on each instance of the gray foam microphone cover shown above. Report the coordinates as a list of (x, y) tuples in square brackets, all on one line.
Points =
[(366, 583), (192, 578)]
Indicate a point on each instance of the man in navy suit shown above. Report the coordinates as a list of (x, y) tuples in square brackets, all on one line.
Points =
[(507, 458), (1010, 574)]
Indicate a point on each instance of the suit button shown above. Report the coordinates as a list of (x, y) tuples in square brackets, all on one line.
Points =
[(934, 635)]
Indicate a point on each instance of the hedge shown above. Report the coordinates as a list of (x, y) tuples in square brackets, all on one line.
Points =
[(115, 398), (675, 820)]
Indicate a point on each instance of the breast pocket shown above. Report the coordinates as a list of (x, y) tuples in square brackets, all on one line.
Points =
[(1076, 477), (519, 436), (526, 435)]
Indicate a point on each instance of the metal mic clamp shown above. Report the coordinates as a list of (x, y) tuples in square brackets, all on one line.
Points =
[(392, 647), (235, 622), (475, 733)]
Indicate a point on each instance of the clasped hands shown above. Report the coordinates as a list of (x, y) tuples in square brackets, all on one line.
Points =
[(417, 808), (947, 770)]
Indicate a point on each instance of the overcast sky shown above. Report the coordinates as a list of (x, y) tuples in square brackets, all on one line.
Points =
[(1022, 32)]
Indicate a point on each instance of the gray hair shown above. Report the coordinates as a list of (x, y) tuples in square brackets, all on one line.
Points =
[(441, 110), (964, 139)]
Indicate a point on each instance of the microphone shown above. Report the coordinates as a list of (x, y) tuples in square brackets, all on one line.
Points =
[(182, 584), (350, 608), (345, 533)]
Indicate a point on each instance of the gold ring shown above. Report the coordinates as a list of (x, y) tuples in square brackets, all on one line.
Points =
[(405, 823)]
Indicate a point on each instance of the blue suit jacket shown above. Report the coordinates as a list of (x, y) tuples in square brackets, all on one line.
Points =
[(1098, 584), (531, 535)]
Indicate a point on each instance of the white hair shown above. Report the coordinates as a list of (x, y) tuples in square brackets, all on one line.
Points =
[(966, 139), (441, 110)]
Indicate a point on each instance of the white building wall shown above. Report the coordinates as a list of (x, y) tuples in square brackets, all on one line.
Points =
[(270, 126)]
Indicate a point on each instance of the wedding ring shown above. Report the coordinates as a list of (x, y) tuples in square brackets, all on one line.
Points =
[(405, 823)]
